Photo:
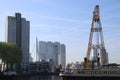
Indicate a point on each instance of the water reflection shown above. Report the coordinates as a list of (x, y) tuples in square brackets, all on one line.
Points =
[(40, 78)]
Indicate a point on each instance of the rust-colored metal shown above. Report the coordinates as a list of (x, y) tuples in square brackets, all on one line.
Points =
[(96, 28)]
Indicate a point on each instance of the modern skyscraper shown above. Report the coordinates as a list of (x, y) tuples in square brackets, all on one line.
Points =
[(63, 55), (42, 50), (50, 50), (58, 53), (55, 51), (18, 31)]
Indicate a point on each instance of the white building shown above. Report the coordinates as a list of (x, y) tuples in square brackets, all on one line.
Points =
[(18, 31)]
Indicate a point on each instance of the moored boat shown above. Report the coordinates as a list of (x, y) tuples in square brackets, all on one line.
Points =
[(110, 72)]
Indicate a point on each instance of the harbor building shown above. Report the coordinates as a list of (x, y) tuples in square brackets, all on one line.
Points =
[(18, 31)]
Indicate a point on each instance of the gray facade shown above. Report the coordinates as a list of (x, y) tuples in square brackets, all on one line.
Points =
[(58, 53), (18, 31), (63, 55), (42, 50), (55, 51)]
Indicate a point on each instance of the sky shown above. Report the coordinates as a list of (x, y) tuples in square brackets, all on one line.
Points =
[(67, 22)]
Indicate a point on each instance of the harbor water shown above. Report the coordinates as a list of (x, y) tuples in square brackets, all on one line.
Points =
[(56, 77), (46, 77), (34, 77)]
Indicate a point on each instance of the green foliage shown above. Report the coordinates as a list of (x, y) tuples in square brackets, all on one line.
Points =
[(69, 65), (82, 63), (58, 68), (10, 53)]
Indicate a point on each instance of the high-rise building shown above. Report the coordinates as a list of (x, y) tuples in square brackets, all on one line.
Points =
[(58, 53), (18, 31), (63, 55), (50, 50), (55, 51), (42, 50)]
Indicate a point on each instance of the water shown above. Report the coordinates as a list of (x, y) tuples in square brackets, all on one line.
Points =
[(53, 77)]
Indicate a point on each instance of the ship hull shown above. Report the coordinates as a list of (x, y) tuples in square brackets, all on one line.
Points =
[(89, 78)]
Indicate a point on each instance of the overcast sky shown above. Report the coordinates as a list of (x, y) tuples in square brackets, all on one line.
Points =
[(67, 22)]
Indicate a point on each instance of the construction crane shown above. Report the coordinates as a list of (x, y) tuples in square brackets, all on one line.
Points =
[(96, 42)]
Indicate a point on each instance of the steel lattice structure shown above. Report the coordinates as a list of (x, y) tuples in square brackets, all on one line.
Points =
[(96, 41)]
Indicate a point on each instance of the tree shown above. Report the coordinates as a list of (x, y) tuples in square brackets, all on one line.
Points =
[(58, 68), (10, 53), (69, 65)]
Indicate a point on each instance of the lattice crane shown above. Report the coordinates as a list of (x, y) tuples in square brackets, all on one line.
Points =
[(96, 41)]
